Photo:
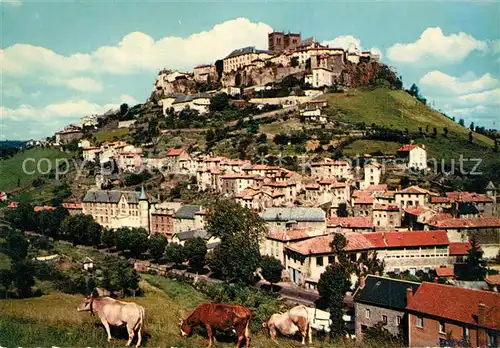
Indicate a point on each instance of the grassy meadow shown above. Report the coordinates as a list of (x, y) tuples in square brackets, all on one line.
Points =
[(111, 135), (11, 169), (52, 320)]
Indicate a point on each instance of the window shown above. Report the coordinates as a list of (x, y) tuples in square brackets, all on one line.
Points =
[(319, 261), (491, 340), (384, 319), (465, 332), (331, 259), (442, 328), (420, 321), (367, 313)]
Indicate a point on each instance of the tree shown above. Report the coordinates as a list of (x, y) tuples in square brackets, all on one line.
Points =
[(138, 242), (471, 127), (48, 222), (123, 109), (175, 253), (23, 277), (219, 102), (495, 145), (461, 122), (123, 238), (5, 282), (81, 229), (434, 132), (471, 139), (475, 265), (108, 238), (120, 275), (16, 246), (445, 131), (342, 210), (332, 286), (378, 335), (196, 250), (271, 269), (22, 217), (237, 257), (156, 246)]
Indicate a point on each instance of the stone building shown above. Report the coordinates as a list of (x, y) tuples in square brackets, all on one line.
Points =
[(381, 299), (279, 41)]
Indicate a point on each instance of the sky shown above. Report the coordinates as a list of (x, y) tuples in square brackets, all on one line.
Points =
[(63, 60)]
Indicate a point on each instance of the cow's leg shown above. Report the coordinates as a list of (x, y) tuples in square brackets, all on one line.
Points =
[(240, 332), (130, 329), (209, 332), (309, 332), (272, 333), (302, 324), (139, 335), (247, 334), (106, 326)]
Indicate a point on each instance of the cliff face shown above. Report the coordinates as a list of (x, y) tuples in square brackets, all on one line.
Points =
[(258, 76), (365, 73)]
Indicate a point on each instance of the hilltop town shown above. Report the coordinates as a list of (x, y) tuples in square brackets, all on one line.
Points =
[(271, 130)]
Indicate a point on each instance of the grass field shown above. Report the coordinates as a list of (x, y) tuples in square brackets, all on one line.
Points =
[(52, 320), (391, 108), (111, 135), (11, 169), (360, 147)]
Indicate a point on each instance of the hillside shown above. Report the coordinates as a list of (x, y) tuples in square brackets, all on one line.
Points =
[(27, 322), (391, 108), (11, 169)]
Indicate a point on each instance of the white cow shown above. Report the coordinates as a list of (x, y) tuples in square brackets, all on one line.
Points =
[(116, 313), (289, 323)]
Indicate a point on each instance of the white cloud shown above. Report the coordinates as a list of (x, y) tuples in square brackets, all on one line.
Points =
[(82, 84), (349, 42), (436, 47), (439, 83), (137, 51), (14, 3)]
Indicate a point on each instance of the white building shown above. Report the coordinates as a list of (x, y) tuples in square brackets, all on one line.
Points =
[(312, 114), (320, 77), (373, 172), (415, 156), (199, 101), (242, 57)]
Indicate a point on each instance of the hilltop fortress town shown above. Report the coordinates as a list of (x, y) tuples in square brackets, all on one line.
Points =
[(287, 54)]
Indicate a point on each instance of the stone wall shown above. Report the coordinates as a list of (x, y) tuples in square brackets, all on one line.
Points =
[(376, 314)]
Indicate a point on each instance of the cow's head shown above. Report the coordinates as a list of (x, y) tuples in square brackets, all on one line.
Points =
[(86, 304), (185, 328)]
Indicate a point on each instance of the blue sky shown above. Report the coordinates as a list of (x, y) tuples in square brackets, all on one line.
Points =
[(64, 60)]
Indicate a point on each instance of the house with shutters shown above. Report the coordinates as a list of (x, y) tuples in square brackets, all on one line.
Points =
[(444, 315), (414, 155)]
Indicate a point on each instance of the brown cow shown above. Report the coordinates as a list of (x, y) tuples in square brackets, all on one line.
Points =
[(222, 317), (289, 323), (116, 313)]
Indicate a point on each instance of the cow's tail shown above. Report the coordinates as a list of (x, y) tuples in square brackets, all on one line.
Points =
[(142, 321)]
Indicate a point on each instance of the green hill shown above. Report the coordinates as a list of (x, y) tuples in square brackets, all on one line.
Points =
[(11, 169), (394, 109)]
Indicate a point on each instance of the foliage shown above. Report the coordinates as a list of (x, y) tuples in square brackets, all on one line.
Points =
[(22, 217), (175, 253), (271, 269), (120, 275), (22, 277), (237, 257), (138, 242), (219, 102), (137, 178), (108, 238), (156, 246), (378, 335), (48, 222), (123, 109), (81, 229), (476, 266), (62, 191), (16, 246), (196, 250)]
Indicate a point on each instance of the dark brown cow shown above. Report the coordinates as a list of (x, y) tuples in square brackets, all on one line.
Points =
[(221, 317)]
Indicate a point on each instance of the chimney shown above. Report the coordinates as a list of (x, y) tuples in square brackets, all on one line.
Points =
[(481, 313), (361, 282), (409, 295)]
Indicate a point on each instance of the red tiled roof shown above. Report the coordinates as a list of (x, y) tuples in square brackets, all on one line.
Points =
[(415, 210), (445, 272), (382, 187), (440, 200), (238, 176), (459, 248), (466, 223), (175, 152), (362, 222), (456, 303), (493, 279), (386, 207), (329, 163), (72, 205), (468, 197), (364, 200), (13, 204), (407, 147), (415, 190), (290, 235), (371, 241), (43, 207)]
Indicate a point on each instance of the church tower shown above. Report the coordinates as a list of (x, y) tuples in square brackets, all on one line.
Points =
[(144, 210)]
